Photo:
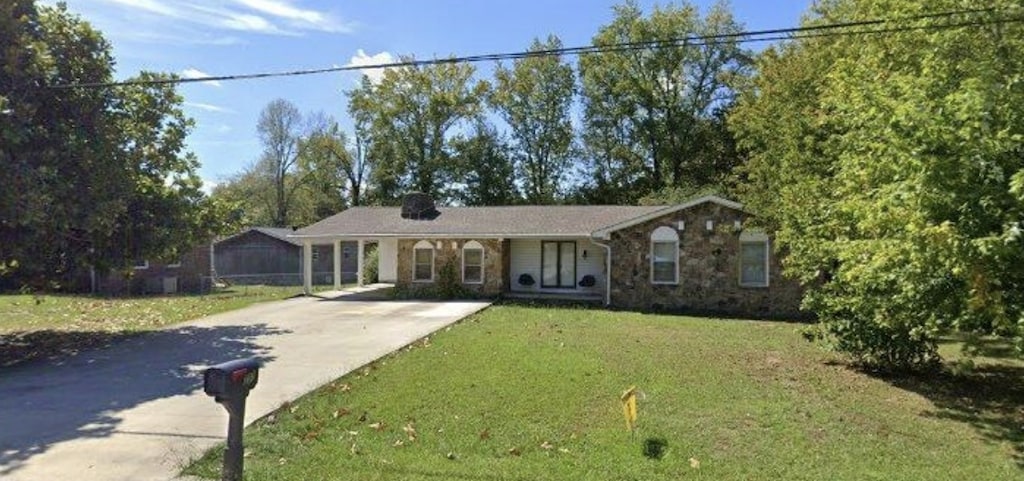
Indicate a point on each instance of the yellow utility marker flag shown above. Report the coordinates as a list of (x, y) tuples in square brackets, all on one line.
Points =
[(629, 407)]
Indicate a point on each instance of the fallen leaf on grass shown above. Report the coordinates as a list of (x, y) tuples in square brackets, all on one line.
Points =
[(398, 443), (311, 436), (450, 455), (563, 450), (485, 434), (364, 416), (546, 445), (340, 412), (378, 426), (410, 431), (515, 452), (353, 449), (694, 463)]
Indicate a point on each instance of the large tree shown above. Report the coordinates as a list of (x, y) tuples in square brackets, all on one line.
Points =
[(336, 169), (535, 98), (652, 113), (410, 118), (893, 165), (282, 130), (485, 161), (92, 176)]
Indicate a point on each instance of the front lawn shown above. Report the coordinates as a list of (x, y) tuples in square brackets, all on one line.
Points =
[(522, 393), (47, 325)]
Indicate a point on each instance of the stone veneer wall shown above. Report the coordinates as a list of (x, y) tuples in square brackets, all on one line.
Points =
[(708, 269), (495, 264)]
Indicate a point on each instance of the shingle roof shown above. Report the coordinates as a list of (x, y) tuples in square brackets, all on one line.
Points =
[(279, 233), (511, 221)]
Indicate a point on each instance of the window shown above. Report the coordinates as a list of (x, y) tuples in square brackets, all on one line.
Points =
[(316, 254), (473, 263), (423, 262), (176, 263), (664, 256), (753, 259), (140, 264)]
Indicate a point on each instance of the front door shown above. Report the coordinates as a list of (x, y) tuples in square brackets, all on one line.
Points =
[(558, 264)]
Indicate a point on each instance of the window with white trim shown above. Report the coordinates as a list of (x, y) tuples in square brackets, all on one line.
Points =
[(140, 264), (423, 262), (754, 259), (664, 256), (473, 263)]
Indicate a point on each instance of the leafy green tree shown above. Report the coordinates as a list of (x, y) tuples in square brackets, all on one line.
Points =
[(893, 166), (410, 118), (485, 160), (338, 171), (652, 116), (535, 98), (92, 176)]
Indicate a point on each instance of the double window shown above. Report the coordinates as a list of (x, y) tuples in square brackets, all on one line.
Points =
[(753, 259), (664, 256), (473, 263), (423, 262)]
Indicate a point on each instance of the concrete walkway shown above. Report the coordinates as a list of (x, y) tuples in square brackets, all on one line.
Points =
[(136, 410)]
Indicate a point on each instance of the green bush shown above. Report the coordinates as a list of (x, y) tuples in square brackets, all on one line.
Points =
[(371, 266)]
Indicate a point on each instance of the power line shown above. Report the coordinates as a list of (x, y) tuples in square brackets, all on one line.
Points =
[(811, 31)]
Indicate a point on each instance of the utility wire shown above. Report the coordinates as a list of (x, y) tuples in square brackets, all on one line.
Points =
[(811, 31)]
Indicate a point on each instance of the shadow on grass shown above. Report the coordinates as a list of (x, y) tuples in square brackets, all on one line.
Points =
[(19, 347), (48, 401), (990, 398)]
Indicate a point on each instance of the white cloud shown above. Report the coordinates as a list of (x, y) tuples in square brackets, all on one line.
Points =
[(362, 59), (268, 17), (283, 9), (151, 6), (209, 185), (194, 73), (209, 107)]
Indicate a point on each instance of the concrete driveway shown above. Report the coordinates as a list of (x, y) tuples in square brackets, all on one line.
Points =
[(136, 410)]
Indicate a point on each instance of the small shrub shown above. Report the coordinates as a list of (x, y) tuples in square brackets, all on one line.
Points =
[(371, 266)]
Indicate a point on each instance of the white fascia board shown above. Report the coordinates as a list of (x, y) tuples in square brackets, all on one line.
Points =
[(478, 235), (606, 232)]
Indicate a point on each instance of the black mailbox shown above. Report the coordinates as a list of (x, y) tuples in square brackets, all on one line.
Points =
[(229, 384), (231, 379)]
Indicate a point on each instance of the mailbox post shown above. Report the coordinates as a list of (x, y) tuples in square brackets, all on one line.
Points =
[(229, 384)]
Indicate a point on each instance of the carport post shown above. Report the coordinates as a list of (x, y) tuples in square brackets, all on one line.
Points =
[(359, 260), (307, 267), (337, 264)]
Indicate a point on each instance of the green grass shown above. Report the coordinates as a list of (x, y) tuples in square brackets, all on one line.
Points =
[(48, 325), (522, 393)]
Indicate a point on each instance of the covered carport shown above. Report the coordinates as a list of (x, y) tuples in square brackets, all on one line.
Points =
[(387, 258)]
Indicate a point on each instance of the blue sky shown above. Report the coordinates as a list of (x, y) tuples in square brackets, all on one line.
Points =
[(220, 37)]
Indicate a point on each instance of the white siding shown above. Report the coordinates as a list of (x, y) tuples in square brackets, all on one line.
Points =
[(525, 259), (387, 260)]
